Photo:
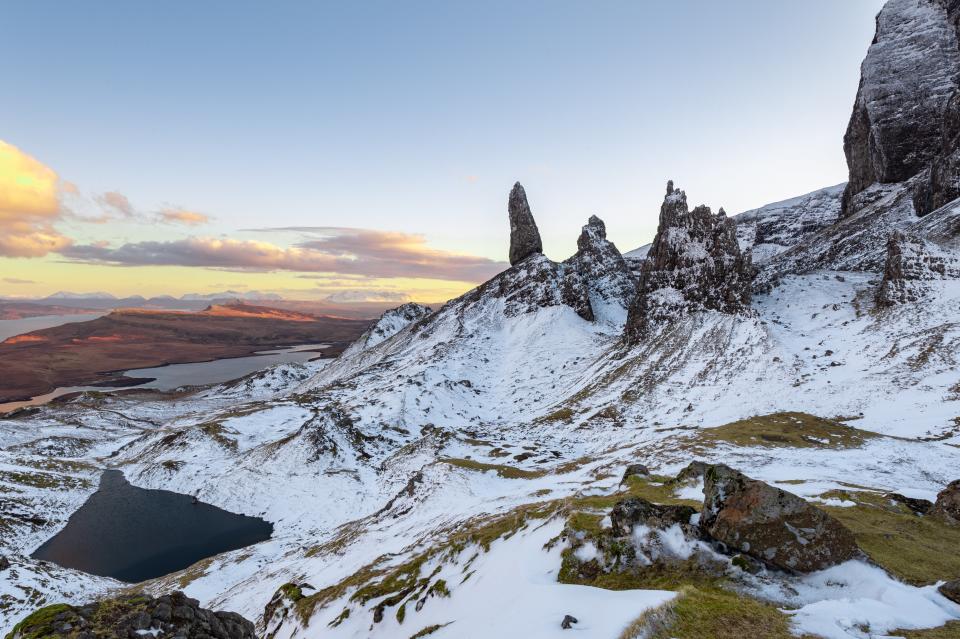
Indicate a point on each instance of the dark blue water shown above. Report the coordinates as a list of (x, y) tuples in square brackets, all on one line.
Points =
[(133, 534)]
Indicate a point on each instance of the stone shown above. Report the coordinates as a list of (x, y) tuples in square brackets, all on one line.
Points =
[(917, 506), (628, 513), (947, 506), (694, 264), (524, 235), (771, 525), (911, 261), (635, 470), (692, 472), (910, 72), (951, 590), (4, 563), (568, 621)]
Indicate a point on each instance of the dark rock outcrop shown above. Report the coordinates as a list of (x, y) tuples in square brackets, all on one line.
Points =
[(635, 470), (524, 235), (916, 506), (947, 506), (134, 616), (609, 281), (907, 78), (951, 590), (4, 563), (770, 524), (693, 264), (637, 511), (910, 262)]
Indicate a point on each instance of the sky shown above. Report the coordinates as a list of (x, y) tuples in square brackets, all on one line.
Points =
[(365, 150)]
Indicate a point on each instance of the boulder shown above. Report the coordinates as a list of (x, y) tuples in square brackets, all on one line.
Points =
[(694, 264), (951, 590), (947, 506), (693, 471), (636, 511), (4, 563), (635, 470), (769, 524), (174, 615), (524, 235)]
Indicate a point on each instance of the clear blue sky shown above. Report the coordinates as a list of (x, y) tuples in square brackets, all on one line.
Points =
[(419, 116)]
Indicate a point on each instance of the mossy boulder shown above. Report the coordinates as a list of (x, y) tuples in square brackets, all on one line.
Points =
[(769, 524), (628, 513), (132, 616)]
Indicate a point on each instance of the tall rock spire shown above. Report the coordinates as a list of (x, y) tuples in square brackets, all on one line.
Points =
[(524, 235)]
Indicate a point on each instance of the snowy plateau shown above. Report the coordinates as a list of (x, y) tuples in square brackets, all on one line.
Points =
[(518, 462)]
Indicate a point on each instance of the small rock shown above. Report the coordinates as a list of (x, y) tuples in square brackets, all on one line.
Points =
[(567, 622), (947, 507), (951, 590), (693, 471), (4, 563), (635, 470)]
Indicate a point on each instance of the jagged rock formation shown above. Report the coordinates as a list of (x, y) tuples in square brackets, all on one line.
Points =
[(610, 284), (174, 615), (636, 511), (693, 264), (770, 524), (911, 262), (907, 78), (524, 235)]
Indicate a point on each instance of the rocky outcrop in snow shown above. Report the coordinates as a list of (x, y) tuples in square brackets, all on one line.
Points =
[(770, 524), (909, 74), (947, 506), (694, 264), (774, 228), (389, 324), (610, 284), (524, 235), (911, 262), (174, 615)]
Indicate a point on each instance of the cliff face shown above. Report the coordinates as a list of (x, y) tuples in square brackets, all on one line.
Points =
[(909, 76), (694, 264), (911, 264)]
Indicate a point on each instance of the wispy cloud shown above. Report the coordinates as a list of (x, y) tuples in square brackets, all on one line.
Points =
[(17, 280), (29, 205), (115, 202), (350, 251), (182, 216)]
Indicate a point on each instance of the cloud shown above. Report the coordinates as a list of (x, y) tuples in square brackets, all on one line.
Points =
[(347, 251), (117, 202), (182, 216), (361, 295), (29, 204), (17, 280)]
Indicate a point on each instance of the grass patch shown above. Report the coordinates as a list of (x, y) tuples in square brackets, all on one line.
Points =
[(949, 631), (797, 430), (699, 612), (506, 472), (919, 550), (39, 624)]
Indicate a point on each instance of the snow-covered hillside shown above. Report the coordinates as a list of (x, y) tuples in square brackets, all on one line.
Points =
[(457, 472)]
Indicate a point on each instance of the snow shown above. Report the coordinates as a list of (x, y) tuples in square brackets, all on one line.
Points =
[(512, 592), (857, 600)]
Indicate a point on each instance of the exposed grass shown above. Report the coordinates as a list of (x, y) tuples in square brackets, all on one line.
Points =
[(507, 472), (699, 612), (429, 630), (39, 624), (43, 480), (919, 550), (950, 631), (798, 430)]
